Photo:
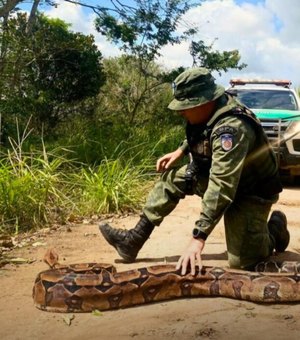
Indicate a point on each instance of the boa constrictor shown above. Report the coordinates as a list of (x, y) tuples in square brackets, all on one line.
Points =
[(93, 286)]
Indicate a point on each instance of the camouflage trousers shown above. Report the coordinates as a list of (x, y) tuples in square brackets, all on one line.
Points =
[(246, 230)]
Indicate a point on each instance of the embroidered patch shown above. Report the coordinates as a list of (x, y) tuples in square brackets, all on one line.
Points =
[(227, 142), (225, 129)]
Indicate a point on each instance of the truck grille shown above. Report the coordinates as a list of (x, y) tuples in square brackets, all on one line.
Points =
[(272, 128)]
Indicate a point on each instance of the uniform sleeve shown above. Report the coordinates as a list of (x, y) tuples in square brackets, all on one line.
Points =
[(184, 146), (231, 140)]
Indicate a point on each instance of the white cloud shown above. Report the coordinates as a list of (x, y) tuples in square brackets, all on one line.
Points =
[(288, 13), (265, 33), (176, 55)]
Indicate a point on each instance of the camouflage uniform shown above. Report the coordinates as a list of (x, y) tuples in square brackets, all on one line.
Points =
[(235, 172)]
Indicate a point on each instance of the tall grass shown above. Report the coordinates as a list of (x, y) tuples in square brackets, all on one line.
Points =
[(91, 141), (32, 188), (121, 182), (41, 187), (112, 187)]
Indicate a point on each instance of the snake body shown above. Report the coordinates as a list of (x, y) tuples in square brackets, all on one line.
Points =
[(92, 286)]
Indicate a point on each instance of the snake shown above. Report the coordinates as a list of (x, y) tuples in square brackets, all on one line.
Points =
[(86, 287)]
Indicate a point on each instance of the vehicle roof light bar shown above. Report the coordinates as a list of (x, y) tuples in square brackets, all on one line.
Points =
[(277, 82)]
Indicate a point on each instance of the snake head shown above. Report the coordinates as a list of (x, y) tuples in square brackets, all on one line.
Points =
[(51, 258)]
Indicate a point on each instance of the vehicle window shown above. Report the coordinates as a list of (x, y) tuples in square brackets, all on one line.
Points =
[(267, 99)]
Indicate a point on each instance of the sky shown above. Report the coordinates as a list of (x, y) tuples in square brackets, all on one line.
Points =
[(265, 32)]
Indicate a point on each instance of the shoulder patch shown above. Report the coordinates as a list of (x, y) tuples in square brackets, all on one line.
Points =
[(225, 129), (227, 141)]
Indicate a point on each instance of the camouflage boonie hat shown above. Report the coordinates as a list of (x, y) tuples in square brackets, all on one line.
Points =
[(194, 87)]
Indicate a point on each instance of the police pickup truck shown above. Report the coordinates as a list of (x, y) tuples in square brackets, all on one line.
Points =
[(277, 106)]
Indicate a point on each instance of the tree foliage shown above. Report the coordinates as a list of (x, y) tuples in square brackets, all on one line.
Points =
[(66, 65), (45, 73), (205, 56), (131, 97), (142, 27), (147, 26)]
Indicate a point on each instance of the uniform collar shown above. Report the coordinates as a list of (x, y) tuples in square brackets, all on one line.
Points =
[(225, 104)]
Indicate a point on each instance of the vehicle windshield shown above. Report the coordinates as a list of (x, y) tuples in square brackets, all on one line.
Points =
[(266, 99)]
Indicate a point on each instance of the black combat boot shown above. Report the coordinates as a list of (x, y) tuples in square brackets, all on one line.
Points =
[(128, 242), (277, 225)]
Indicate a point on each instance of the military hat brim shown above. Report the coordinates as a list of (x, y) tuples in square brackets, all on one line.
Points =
[(203, 98)]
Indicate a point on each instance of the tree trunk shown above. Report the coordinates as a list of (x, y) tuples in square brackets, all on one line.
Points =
[(3, 51), (6, 8), (32, 16)]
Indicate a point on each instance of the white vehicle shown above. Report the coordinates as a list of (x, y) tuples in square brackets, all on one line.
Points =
[(277, 106)]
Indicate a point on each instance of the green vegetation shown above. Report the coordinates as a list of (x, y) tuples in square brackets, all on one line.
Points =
[(32, 187), (41, 187)]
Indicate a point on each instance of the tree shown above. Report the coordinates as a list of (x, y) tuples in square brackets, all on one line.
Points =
[(142, 29), (204, 56), (48, 73), (145, 27), (131, 98), (67, 65), (7, 6)]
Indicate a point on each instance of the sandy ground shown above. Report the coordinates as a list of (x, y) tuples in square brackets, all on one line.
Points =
[(197, 318)]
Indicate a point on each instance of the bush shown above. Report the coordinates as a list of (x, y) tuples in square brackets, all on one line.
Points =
[(112, 187), (32, 189)]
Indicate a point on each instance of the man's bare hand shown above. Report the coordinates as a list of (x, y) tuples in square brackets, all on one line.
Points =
[(166, 161), (192, 256)]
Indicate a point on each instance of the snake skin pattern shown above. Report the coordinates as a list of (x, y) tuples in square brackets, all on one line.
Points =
[(92, 286)]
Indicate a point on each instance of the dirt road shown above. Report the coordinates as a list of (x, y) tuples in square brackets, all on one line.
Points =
[(198, 318)]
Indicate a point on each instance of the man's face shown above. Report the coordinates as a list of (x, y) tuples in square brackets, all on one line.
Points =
[(199, 114)]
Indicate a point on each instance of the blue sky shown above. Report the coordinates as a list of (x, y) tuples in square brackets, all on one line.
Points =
[(266, 33)]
